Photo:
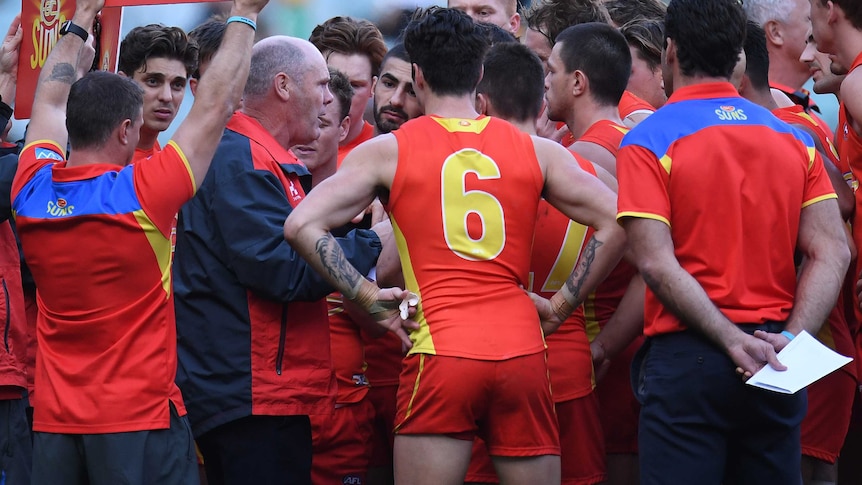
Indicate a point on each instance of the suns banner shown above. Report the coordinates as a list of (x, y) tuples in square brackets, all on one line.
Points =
[(41, 21)]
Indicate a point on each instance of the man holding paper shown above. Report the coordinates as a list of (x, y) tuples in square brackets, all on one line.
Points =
[(715, 197)]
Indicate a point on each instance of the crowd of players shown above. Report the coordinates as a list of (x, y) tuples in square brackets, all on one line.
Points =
[(298, 290)]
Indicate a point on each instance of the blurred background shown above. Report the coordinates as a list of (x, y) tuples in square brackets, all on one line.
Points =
[(297, 18)]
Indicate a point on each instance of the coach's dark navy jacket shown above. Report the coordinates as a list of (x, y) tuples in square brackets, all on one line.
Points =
[(253, 334)]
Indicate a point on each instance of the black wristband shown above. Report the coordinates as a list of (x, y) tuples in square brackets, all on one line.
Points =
[(69, 28)]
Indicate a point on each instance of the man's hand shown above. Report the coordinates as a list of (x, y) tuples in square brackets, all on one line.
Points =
[(601, 364), (10, 48), (778, 340), (750, 354), (248, 7), (550, 319), (548, 129), (85, 12), (391, 308), (378, 213)]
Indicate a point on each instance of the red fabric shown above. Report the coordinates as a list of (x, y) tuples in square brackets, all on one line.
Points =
[(107, 354), (619, 410), (14, 368), (348, 359), (606, 134), (383, 400), (629, 104), (341, 444), (366, 134), (468, 266), (557, 245), (830, 403), (751, 286), (508, 403), (582, 457)]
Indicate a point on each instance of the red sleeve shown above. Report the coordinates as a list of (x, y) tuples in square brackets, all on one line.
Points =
[(32, 158), (163, 183), (818, 186), (643, 185)]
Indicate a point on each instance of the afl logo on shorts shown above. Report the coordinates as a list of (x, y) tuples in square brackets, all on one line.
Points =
[(351, 480), (730, 113)]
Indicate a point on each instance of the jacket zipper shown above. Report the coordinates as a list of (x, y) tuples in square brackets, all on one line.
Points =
[(281, 341), (8, 323)]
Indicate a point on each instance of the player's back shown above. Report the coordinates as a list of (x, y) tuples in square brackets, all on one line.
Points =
[(463, 206)]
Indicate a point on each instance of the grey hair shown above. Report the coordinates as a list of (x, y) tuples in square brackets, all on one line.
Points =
[(762, 11)]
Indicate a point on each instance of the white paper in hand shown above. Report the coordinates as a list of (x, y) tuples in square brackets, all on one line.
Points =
[(806, 359), (405, 305)]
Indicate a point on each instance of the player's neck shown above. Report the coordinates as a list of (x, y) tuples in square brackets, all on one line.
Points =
[(148, 138), (584, 117), (788, 72), (461, 106), (848, 46)]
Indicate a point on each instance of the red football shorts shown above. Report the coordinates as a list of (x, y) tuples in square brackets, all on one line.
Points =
[(510, 399), (830, 403), (382, 398), (618, 407), (341, 444), (582, 446)]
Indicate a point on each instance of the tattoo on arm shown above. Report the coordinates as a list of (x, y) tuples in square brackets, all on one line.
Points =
[(64, 73), (579, 276), (336, 265)]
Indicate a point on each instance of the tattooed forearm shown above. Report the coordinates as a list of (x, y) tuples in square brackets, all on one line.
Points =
[(576, 282), (64, 73), (336, 265)]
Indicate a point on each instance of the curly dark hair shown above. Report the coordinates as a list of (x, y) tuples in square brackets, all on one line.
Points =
[(708, 34), (156, 40)]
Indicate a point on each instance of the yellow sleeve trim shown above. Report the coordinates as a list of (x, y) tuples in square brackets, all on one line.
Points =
[(818, 199), (60, 149), (666, 162), (812, 154), (186, 163), (643, 215)]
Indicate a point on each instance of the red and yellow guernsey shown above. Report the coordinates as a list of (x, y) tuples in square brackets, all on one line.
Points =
[(463, 208), (97, 239), (735, 219), (557, 245), (850, 148)]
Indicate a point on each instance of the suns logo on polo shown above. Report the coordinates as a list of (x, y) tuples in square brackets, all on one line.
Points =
[(730, 113), (60, 208)]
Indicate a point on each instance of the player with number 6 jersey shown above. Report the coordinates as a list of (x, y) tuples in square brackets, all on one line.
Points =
[(463, 191)]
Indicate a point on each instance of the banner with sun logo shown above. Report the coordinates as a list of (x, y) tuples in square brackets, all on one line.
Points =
[(41, 21)]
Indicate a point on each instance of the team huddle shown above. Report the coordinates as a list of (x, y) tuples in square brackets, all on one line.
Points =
[(533, 245)]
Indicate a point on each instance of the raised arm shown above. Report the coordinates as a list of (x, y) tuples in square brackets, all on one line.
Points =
[(219, 91), (9, 51), (589, 201), (48, 117)]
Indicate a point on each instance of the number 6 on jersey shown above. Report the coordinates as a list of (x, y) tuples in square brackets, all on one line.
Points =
[(458, 204)]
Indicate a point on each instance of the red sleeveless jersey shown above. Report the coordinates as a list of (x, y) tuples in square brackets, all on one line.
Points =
[(557, 245), (463, 207)]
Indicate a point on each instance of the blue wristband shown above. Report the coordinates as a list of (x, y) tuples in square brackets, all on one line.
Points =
[(787, 334), (243, 20)]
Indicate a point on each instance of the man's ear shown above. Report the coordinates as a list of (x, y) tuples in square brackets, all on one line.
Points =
[(515, 24), (580, 83), (193, 85), (124, 130), (482, 104), (281, 84), (345, 128), (774, 32)]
